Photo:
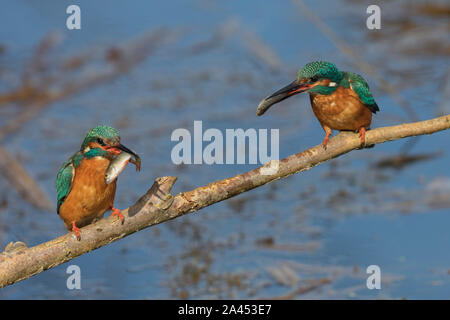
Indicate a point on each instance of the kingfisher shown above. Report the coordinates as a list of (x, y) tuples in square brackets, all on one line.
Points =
[(83, 194), (340, 100)]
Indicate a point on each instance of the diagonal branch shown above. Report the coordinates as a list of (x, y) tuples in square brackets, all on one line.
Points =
[(23, 182), (18, 262)]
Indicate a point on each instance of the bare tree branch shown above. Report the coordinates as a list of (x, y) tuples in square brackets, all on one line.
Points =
[(18, 262)]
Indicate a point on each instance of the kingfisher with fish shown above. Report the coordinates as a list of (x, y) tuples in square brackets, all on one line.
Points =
[(340, 100), (86, 183)]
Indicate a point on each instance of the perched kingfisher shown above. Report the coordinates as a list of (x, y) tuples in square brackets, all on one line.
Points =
[(340, 100), (82, 192)]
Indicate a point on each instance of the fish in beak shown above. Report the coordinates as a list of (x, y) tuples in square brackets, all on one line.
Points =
[(119, 148)]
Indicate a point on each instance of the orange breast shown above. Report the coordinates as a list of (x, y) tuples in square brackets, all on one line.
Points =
[(341, 110), (89, 197)]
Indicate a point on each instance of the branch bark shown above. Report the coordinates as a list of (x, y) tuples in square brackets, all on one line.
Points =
[(18, 262)]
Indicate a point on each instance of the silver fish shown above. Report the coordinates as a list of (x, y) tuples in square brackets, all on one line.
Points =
[(116, 167)]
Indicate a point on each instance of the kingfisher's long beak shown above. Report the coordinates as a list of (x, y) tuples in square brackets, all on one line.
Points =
[(121, 147), (291, 89)]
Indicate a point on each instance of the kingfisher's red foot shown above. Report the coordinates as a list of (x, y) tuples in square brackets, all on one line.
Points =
[(118, 213), (76, 230), (362, 135), (325, 141)]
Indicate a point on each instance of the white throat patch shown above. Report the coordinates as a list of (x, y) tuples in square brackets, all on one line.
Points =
[(332, 84)]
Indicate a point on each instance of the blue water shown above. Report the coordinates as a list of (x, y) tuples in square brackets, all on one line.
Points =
[(349, 214)]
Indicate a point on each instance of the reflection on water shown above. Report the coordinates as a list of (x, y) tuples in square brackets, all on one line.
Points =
[(311, 235)]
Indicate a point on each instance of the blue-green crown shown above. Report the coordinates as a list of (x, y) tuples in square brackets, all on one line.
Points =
[(321, 69), (103, 132)]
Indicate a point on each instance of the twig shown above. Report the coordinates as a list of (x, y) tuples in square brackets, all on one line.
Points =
[(23, 182), (217, 37), (302, 289), (261, 50), (158, 206)]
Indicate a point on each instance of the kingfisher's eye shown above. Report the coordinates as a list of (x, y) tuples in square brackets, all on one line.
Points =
[(100, 141), (314, 79)]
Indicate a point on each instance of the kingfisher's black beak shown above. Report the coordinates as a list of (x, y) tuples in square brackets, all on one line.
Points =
[(137, 159), (291, 89)]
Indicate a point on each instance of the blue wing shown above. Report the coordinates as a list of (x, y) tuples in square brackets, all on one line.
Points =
[(65, 177), (360, 86)]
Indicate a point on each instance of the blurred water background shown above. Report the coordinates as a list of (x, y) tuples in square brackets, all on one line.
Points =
[(214, 61)]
